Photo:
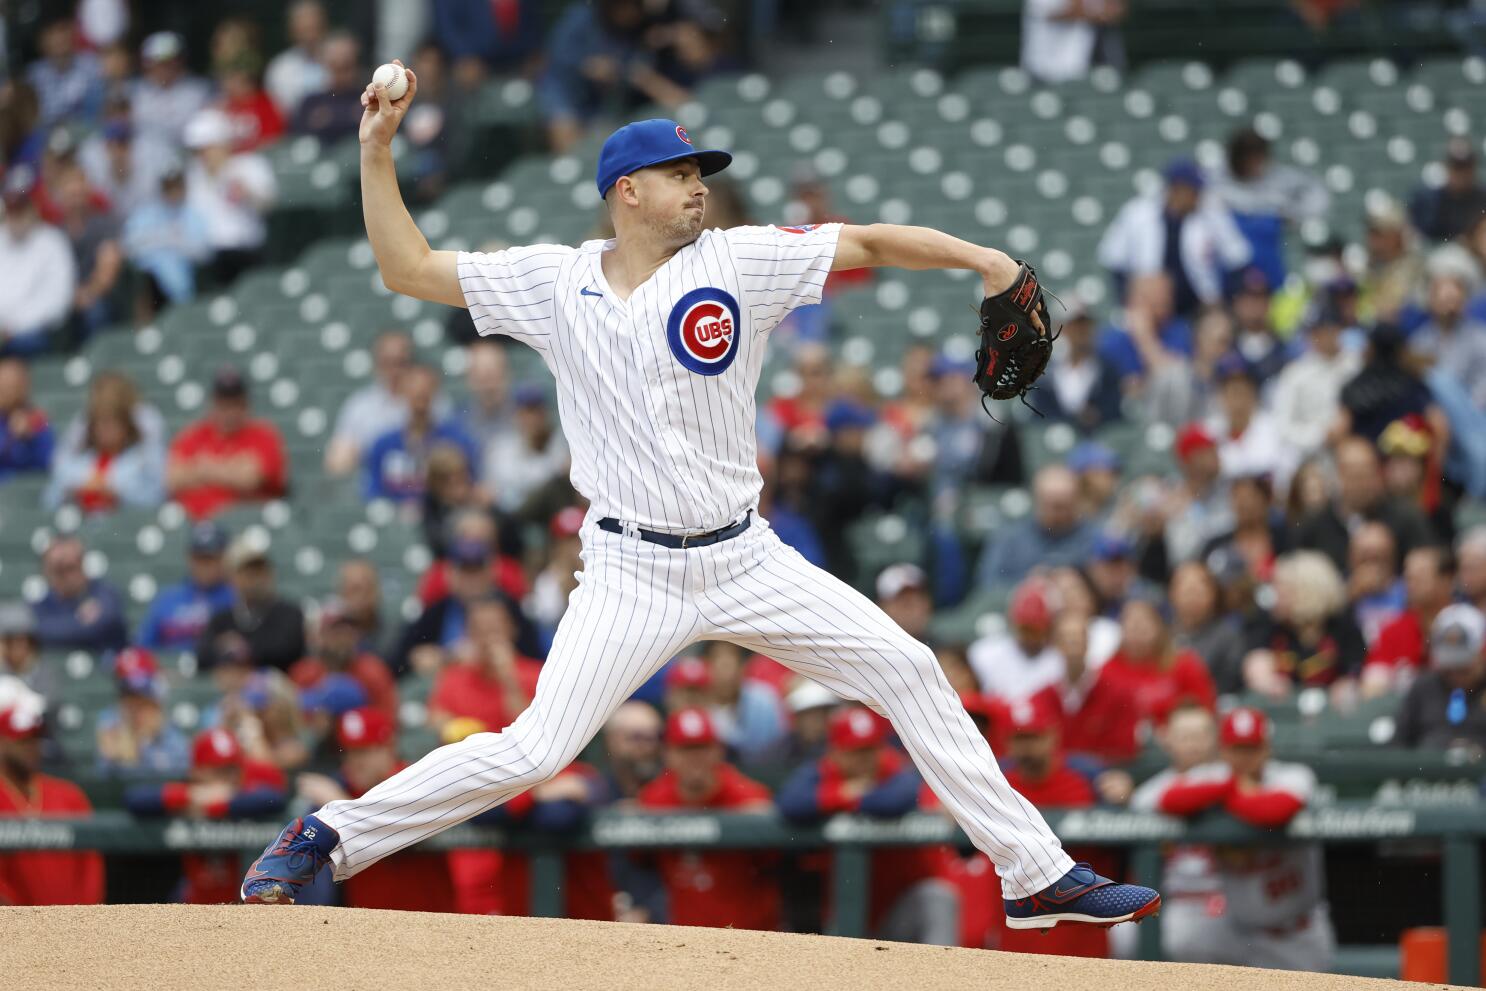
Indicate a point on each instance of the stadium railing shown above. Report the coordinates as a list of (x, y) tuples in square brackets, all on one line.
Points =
[(1459, 829)]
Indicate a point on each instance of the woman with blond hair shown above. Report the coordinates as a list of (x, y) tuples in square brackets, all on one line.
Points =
[(1308, 637)]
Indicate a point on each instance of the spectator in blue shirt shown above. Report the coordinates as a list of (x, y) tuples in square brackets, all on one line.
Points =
[(481, 35), (77, 611), (181, 611), (1056, 536), (1146, 332), (69, 83), (397, 463), (166, 239), (134, 737), (25, 434)]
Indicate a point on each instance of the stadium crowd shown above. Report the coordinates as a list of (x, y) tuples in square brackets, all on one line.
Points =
[(1328, 432)]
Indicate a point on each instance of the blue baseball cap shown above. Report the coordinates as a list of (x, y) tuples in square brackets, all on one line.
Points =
[(1110, 546), (651, 142), (847, 414), (1092, 456), (1184, 171), (335, 693)]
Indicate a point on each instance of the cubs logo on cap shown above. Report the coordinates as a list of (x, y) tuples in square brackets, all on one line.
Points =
[(681, 133), (703, 330)]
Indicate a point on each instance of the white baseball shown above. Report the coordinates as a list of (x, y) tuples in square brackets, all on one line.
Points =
[(393, 78)]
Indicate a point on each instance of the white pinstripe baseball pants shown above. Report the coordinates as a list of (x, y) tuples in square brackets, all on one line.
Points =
[(637, 606)]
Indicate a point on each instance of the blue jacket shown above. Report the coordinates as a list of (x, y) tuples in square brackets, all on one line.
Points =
[(33, 453), (179, 614), (395, 472), (798, 799), (58, 623)]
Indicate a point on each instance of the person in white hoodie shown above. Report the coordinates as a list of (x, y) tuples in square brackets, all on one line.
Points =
[(1307, 392), (1189, 235), (36, 292)]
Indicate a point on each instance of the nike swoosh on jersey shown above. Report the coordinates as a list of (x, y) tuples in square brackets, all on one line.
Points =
[(586, 291)]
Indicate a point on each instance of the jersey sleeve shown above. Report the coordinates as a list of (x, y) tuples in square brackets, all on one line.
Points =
[(780, 268), (514, 291)]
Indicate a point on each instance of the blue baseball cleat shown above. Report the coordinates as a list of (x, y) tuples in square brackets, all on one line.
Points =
[(1083, 896), (290, 862)]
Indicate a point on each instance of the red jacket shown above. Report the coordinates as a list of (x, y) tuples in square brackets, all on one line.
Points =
[(1155, 689), (1400, 643), (506, 572), (48, 877), (407, 880), (715, 888), (258, 437), (1104, 722)]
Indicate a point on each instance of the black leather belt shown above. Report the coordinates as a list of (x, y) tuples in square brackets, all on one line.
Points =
[(677, 541)]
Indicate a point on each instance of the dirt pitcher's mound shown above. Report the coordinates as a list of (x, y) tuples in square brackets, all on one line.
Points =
[(223, 948)]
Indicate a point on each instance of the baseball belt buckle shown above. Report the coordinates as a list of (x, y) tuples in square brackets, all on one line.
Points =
[(629, 529)]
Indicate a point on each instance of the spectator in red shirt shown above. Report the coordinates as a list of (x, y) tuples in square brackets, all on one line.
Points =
[(1401, 649), (409, 880), (1097, 713), (338, 651), (486, 682), (256, 121), (722, 888), (1036, 768), (228, 457), (224, 784), (474, 526), (41, 877), (1149, 668), (910, 901)]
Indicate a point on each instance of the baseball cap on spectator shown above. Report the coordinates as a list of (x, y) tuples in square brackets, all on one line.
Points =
[(689, 672), (138, 673), (1451, 261), (22, 722), (468, 553), (246, 551), (207, 128), (809, 695), (1244, 727), (651, 142), (1031, 605), (944, 364), (1252, 280), (229, 383), (566, 522), (364, 727), (161, 47), (855, 728), (216, 748), (1234, 365), (117, 130), (529, 394), (847, 414), (17, 620), (1093, 456), (690, 728), (208, 539), (1028, 718), (896, 579), (1110, 546), (1192, 438), (1384, 213), (1457, 637), (1183, 172), (1327, 314), (335, 693), (1409, 436)]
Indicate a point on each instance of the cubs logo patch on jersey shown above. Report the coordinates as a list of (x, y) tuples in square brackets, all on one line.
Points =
[(703, 330)]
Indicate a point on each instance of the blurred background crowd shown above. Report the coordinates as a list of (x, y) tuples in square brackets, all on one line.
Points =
[(1312, 532)]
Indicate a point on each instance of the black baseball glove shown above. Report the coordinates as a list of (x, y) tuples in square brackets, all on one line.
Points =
[(1013, 352)]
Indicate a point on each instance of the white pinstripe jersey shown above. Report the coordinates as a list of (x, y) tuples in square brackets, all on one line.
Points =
[(656, 393)]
